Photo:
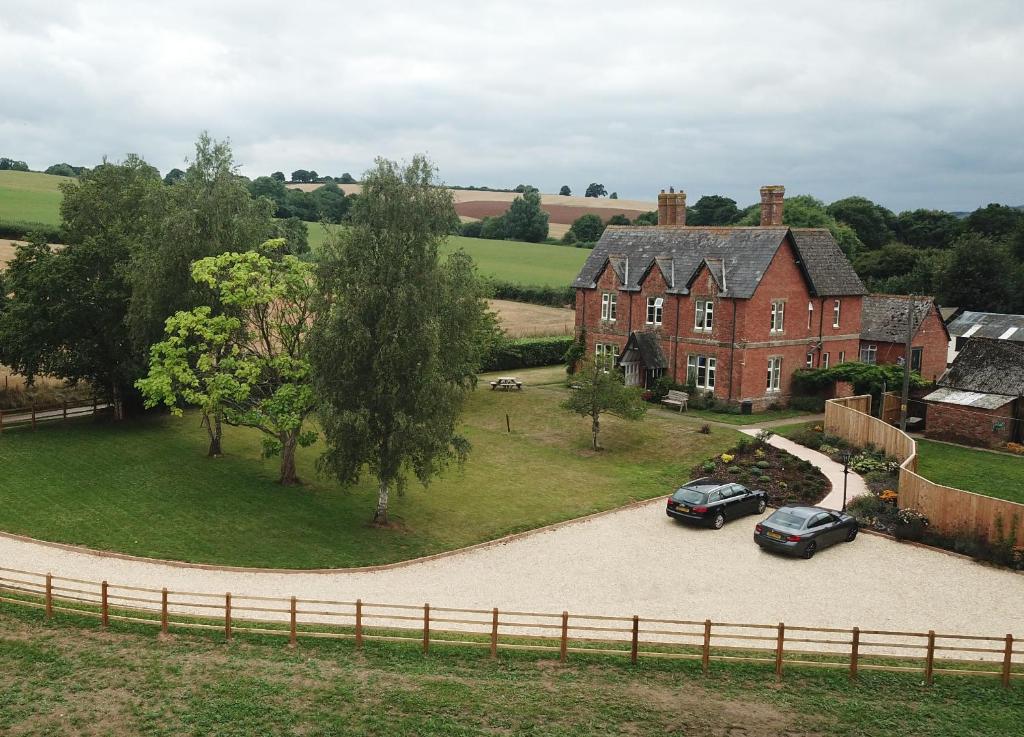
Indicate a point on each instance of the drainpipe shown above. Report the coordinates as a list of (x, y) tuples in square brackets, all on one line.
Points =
[(732, 350), (675, 338)]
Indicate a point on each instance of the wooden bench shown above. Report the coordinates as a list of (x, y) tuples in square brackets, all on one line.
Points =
[(507, 384), (676, 398)]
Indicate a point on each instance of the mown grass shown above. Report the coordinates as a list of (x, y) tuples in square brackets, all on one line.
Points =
[(999, 475), (147, 488), (69, 677), (30, 196)]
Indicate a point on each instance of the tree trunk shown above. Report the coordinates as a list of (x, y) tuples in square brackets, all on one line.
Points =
[(596, 428), (115, 399), (380, 517), (288, 442), (214, 430)]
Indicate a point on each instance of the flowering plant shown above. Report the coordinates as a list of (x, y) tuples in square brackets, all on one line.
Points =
[(888, 496), (910, 516), (1015, 448), (726, 458)]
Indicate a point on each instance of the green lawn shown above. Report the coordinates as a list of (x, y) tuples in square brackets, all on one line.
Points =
[(69, 677), (147, 488), (527, 263), (732, 418), (1000, 475), (30, 196)]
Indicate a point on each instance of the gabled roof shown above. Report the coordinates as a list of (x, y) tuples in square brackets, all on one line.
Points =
[(988, 325), (737, 257), (884, 316), (987, 366), (646, 344)]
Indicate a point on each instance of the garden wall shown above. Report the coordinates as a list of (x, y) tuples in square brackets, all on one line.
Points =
[(948, 510)]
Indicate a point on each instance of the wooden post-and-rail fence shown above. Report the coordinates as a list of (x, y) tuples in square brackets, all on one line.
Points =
[(779, 646), (32, 415)]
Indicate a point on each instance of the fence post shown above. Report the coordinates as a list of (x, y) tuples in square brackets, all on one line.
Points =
[(163, 612), (426, 628), (227, 616), (49, 596), (33, 416), (359, 624), (563, 648), (779, 646), (635, 646), (1007, 660), (292, 634), (929, 662), (104, 608), (494, 632), (854, 654), (705, 657), (64, 406)]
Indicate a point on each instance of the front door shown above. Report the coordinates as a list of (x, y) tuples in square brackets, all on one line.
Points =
[(632, 373)]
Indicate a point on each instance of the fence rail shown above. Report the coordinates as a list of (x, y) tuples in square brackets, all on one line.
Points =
[(948, 510), (33, 415), (633, 637)]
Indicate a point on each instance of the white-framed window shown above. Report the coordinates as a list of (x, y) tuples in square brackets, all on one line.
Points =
[(655, 305), (606, 354), (778, 315), (774, 373), (842, 356), (704, 314), (810, 360), (810, 315), (824, 360), (835, 313), (701, 370), (609, 303), (869, 354)]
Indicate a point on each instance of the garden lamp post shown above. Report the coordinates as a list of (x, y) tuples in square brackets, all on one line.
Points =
[(846, 474)]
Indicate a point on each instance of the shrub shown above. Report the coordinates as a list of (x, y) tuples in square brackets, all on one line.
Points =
[(743, 446), (708, 466), (705, 429), (808, 404), (734, 469), (527, 353), (533, 294), (21, 230), (764, 436), (763, 464), (727, 458)]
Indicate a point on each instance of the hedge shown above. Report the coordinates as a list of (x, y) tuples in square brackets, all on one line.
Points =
[(19, 230), (527, 353), (532, 294)]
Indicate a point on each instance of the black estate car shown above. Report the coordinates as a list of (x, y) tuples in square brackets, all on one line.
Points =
[(804, 530), (713, 502)]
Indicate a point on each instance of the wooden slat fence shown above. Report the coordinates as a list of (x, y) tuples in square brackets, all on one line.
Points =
[(561, 634), (33, 415), (949, 510)]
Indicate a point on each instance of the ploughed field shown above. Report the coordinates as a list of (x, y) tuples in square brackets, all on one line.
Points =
[(146, 486)]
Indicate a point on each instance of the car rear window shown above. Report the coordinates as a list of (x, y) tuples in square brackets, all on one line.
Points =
[(787, 519), (690, 496)]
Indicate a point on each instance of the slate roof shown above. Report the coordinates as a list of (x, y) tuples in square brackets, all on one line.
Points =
[(737, 257), (884, 316), (987, 366), (967, 399), (991, 325), (649, 349)]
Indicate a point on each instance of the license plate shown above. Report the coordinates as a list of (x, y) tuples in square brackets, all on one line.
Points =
[(681, 508), (775, 535)]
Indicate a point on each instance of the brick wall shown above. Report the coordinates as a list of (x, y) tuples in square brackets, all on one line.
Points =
[(930, 338), (969, 425)]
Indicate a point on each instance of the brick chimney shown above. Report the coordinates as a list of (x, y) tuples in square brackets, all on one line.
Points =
[(773, 197), (671, 207)]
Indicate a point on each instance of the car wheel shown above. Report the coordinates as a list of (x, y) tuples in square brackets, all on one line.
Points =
[(761, 504), (719, 521), (851, 535), (810, 550)]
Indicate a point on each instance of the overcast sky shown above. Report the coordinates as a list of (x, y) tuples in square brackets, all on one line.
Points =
[(909, 103)]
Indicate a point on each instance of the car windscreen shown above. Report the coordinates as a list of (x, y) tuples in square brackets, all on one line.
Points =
[(787, 519), (690, 496)]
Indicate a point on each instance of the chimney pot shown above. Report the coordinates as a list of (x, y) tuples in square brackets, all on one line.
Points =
[(772, 202)]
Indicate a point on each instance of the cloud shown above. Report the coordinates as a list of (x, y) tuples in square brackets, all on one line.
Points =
[(912, 104)]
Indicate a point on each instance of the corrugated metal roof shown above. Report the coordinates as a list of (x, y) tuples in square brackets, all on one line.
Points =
[(968, 399), (987, 325)]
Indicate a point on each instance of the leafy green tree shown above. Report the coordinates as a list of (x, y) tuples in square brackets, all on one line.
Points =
[(980, 276), (587, 228), (595, 190), (525, 220), (210, 211), (646, 218), (618, 219), (301, 175), (804, 211), (313, 176), (248, 363), (493, 228), (60, 170), (872, 223), (302, 205), (346, 178), (995, 221), (295, 234), (401, 336), (331, 203), (599, 390), (711, 210), (928, 228), (472, 229), (278, 175), (613, 196), (565, 191), (174, 176), (275, 191), (12, 165)]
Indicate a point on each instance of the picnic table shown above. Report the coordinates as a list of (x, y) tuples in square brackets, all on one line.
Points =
[(506, 384)]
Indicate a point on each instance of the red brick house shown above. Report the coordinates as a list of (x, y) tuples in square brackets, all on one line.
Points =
[(980, 399), (736, 309), (883, 333)]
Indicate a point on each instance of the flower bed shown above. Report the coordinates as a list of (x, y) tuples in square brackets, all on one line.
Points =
[(757, 465)]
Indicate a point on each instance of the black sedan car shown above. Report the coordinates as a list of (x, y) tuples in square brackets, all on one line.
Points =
[(712, 502), (804, 531)]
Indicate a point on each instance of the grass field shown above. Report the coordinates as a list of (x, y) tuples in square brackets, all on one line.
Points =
[(521, 320), (69, 677), (104, 486), (30, 196), (999, 475)]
